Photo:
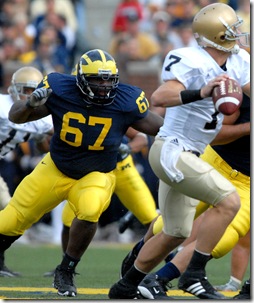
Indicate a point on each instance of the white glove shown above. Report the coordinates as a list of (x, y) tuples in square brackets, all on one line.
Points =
[(124, 150), (38, 97)]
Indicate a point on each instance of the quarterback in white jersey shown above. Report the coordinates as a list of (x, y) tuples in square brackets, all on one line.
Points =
[(197, 123), (191, 123), (23, 83)]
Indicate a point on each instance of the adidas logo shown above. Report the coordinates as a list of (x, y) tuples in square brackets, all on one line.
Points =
[(196, 289), (175, 141)]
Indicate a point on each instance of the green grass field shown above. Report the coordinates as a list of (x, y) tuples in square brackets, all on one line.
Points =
[(98, 270)]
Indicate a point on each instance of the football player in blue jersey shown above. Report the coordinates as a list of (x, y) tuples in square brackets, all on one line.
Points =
[(130, 187), (91, 112)]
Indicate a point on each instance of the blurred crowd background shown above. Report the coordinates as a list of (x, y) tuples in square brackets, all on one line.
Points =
[(52, 34)]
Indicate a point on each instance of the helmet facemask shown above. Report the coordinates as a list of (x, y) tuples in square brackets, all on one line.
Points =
[(96, 93), (21, 91), (232, 33)]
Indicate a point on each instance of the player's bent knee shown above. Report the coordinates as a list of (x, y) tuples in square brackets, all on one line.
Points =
[(67, 215), (11, 224), (241, 225), (230, 204), (238, 228), (226, 243), (178, 231), (94, 211)]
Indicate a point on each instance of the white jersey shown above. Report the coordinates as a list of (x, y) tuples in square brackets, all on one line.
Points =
[(12, 134), (196, 124)]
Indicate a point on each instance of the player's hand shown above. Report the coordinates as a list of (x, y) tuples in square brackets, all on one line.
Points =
[(38, 97), (207, 90), (124, 149)]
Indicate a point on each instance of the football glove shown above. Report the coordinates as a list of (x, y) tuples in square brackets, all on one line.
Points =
[(38, 97), (124, 150)]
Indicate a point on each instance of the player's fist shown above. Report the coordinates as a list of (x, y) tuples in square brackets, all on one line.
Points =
[(124, 149), (39, 97)]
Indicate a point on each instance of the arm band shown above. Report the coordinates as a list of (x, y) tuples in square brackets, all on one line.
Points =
[(188, 95)]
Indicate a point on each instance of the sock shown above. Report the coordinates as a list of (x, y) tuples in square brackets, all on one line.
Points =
[(198, 261), (235, 280), (69, 263), (169, 271), (134, 276)]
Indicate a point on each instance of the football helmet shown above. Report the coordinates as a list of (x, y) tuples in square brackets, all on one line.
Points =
[(24, 79), (97, 77), (216, 25)]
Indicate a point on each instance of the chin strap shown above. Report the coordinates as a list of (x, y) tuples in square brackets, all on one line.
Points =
[(206, 42)]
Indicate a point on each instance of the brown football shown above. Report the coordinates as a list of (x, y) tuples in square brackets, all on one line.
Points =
[(227, 97)]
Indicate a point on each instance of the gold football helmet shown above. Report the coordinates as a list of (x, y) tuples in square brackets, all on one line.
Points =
[(97, 77), (24, 81), (216, 25)]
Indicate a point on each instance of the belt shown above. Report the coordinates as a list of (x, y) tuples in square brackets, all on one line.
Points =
[(223, 165), (233, 173), (190, 151)]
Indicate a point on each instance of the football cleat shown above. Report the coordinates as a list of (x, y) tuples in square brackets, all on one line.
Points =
[(230, 286), (244, 293), (63, 282), (6, 272), (196, 283), (124, 290), (154, 288)]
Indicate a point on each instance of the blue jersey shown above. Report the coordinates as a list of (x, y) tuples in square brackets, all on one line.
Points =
[(86, 138), (237, 153)]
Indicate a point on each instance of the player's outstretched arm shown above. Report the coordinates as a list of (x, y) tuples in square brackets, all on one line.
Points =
[(150, 124), (33, 109)]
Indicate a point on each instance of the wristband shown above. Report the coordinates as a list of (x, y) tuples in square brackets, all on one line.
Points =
[(188, 95)]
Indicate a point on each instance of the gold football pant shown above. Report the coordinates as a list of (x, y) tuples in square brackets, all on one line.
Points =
[(241, 223)]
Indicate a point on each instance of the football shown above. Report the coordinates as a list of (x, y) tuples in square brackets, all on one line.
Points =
[(227, 97)]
